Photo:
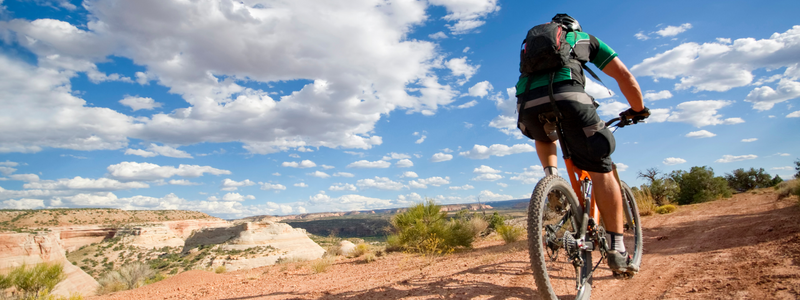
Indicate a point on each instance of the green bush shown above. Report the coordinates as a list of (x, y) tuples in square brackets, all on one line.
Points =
[(665, 209), (662, 188), (425, 228), (700, 185), (741, 180), (36, 281), (220, 269), (496, 220), (510, 233)]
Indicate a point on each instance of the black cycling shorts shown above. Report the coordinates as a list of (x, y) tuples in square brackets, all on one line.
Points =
[(589, 140)]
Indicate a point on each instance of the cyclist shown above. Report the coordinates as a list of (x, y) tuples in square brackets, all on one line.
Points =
[(589, 141)]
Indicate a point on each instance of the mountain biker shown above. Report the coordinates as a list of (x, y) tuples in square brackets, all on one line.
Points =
[(586, 135)]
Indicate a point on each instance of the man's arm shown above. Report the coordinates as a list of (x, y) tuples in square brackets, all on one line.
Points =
[(627, 83)]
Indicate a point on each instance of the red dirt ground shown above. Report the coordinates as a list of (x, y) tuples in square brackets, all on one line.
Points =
[(747, 247)]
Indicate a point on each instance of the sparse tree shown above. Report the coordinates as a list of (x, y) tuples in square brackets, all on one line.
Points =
[(741, 180), (797, 168)]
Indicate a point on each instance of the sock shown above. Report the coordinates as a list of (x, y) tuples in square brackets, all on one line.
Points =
[(616, 242), (550, 171)]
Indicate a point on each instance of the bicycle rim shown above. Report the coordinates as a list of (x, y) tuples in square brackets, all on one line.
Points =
[(633, 226), (553, 213)]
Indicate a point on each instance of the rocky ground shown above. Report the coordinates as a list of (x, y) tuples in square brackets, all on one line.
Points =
[(747, 247)]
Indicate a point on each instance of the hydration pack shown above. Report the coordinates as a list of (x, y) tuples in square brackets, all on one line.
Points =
[(545, 50)]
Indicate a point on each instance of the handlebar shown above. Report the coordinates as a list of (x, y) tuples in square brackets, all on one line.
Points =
[(622, 122)]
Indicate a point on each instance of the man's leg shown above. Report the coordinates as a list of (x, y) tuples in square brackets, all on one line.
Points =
[(548, 155), (609, 200)]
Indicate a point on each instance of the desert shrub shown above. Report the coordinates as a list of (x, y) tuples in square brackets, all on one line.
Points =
[(220, 269), (665, 209), (477, 225), (323, 264), (662, 188), (644, 200), (111, 282), (360, 250), (36, 281), (135, 274), (741, 180), (370, 257), (788, 188), (700, 185), (510, 233), (425, 228), (496, 220)]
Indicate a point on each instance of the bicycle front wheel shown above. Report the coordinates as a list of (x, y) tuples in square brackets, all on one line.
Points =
[(560, 268), (632, 226)]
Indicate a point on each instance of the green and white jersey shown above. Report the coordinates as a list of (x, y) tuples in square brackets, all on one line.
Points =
[(587, 48)]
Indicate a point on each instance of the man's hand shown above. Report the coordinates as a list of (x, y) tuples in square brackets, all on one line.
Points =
[(635, 116)]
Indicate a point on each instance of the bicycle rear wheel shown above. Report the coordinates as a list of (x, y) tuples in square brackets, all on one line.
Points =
[(632, 226), (554, 218)]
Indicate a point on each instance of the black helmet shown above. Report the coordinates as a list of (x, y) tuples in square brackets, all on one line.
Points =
[(569, 22)]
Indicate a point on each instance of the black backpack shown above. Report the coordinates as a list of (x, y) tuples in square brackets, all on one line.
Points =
[(545, 50)]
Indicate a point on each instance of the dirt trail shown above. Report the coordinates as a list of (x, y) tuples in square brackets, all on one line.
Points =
[(747, 247)]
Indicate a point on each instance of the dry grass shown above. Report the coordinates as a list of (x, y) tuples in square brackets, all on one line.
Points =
[(323, 264), (788, 188), (645, 201), (510, 233), (666, 209)]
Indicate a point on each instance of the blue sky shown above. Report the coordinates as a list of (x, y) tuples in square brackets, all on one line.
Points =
[(282, 107)]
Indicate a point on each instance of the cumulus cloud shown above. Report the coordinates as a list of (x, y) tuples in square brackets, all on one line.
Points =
[(795, 114), (438, 36), (343, 174), (393, 155), (357, 64), (134, 171), (722, 65), (183, 182), (700, 134), (301, 184), (409, 174), (24, 177), (654, 96), (674, 30), (750, 140), (483, 152), (381, 183), (303, 164), (487, 195), (440, 157), (488, 177), (483, 169), (343, 187), (422, 137), (404, 163), (365, 164), (530, 175), (84, 184), (702, 113), (670, 161), (423, 183), (732, 158), (156, 150), (319, 174), (237, 197), (481, 89), (621, 167), (137, 103), (461, 188), (22, 204), (232, 185), (468, 104), (266, 186)]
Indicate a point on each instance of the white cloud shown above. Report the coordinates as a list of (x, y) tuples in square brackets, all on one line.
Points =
[(343, 174), (654, 96), (671, 161), (530, 175), (301, 184), (764, 98), (749, 140), (437, 36), (381, 183), (422, 137), (137, 103), (483, 152), (182, 182), (731, 158), (722, 65), (488, 177), (393, 155), (487, 195), (24, 177), (467, 105), (237, 197), (483, 169), (786, 168), (303, 164), (84, 184), (347, 46), (674, 30), (423, 183), (22, 204), (597, 90), (133, 171), (460, 67), (363, 164), (343, 187), (440, 157), (461, 188), (621, 167), (641, 36), (404, 163), (327, 167), (481, 89), (232, 185), (612, 108), (409, 174), (795, 114), (702, 113), (156, 150), (266, 186), (9, 163), (700, 134), (319, 174), (7, 170)]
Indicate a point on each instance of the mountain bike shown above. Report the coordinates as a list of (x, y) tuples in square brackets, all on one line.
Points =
[(565, 227)]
